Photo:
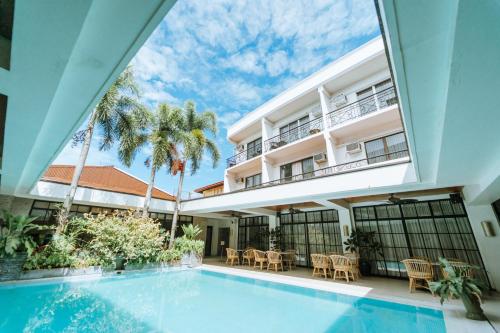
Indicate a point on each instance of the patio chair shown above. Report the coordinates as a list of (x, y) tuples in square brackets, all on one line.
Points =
[(275, 260), (249, 256), (461, 268), (232, 256), (289, 258), (354, 259), (418, 270), (343, 266), (259, 258), (321, 265)]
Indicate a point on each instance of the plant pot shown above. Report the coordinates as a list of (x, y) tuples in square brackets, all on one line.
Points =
[(119, 263), (365, 268), (473, 307), (12, 267), (314, 131)]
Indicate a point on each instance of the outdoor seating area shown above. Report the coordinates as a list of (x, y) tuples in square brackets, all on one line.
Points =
[(421, 271)]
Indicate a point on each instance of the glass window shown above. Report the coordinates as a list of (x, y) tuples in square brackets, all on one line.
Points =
[(387, 148), (253, 181), (253, 232), (254, 148), (294, 130)]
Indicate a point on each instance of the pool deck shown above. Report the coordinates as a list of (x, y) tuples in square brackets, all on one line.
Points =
[(392, 290)]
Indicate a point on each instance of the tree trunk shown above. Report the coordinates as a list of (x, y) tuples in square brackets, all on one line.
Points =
[(176, 209), (68, 200), (147, 199)]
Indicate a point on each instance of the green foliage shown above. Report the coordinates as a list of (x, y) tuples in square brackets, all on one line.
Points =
[(170, 256), (16, 234), (139, 240), (191, 231), (185, 245), (364, 242), (456, 283)]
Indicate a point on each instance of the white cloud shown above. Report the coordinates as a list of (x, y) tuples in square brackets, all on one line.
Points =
[(228, 118), (247, 62), (277, 63)]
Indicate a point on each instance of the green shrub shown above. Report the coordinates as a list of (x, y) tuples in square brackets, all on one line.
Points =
[(170, 256), (139, 240), (185, 245)]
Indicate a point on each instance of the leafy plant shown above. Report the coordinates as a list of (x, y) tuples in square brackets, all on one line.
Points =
[(170, 255), (185, 245), (274, 235), (191, 231), (456, 283), (365, 243), (16, 234)]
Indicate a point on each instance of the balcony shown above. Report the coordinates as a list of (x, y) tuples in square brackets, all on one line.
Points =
[(243, 156), (307, 129), (365, 106), (373, 161)]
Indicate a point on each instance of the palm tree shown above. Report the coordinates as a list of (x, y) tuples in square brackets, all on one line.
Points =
[(112, 116), (193, 143), (160, 130)]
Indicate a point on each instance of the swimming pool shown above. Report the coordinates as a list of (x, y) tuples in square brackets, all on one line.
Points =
[(200, 301)]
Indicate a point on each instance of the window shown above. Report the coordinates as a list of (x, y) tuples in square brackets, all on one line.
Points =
[(386, 148), (303, 169), (433, 229), (376, 97), (254, 148), (253, 232), (253, 181), (311, 232), (294, 130)]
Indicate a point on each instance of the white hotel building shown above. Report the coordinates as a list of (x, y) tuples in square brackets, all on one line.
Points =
[(413, 113)]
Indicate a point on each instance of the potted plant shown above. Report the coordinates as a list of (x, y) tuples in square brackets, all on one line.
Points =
[(455, 283), (16, 243), (365, 244)]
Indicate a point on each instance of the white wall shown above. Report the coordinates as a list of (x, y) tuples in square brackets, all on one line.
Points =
[(16, 205), (488, 246), (232, 223)]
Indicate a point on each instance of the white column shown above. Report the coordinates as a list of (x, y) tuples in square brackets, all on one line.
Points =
[(324, 97), (489, 247), (345, 224), (267, 133), (273, 223)]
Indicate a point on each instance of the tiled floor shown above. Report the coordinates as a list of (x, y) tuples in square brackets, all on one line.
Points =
[(376, 287)]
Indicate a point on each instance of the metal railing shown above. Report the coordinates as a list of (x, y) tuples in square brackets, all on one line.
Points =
[(362, 107), (337, 169), (309, 128), (243, 156)]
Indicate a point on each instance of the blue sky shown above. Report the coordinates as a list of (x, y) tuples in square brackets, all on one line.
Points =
[(230, 56)]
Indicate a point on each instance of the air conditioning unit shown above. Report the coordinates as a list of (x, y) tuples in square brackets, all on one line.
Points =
[(353, 148), (320, 158), (316, 111), (240, 148), (339, 100), (240, 180)]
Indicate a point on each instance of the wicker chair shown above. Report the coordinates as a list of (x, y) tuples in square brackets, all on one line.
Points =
[(248, 256), (232, 256), (275, 260), (289, 258), (321, 265), (460, 267), (259, 258), (354, 259), (418, 270), (343, 266)]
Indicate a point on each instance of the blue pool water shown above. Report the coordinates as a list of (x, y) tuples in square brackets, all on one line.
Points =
[(200, 301)]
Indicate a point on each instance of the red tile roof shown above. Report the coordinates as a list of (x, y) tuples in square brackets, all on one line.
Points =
[(208, 187), (107, 178)]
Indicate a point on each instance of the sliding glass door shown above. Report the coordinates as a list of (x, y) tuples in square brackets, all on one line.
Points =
[(432, 229), (311, 232)]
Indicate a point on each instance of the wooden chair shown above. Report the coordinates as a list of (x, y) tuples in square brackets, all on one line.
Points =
[(321, 265), (232, 256), (418, 270), (275, 260), (249, 256), (354, 259), (289, 258), (342, 264), (259, 258)]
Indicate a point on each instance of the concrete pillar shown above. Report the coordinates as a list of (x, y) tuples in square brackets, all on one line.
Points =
[(267, 133), (489, 247), (324, 97), (345, 224), (273, 223)]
